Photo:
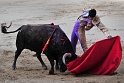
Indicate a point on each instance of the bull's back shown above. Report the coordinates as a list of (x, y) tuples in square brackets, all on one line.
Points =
[(34, 37)]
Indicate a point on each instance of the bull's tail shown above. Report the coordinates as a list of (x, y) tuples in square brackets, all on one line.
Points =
[(4, 28)]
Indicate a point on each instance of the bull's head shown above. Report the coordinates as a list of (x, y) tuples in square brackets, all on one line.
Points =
[(67, 57)]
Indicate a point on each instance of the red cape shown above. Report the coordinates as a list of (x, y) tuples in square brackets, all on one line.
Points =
[(102, 58)]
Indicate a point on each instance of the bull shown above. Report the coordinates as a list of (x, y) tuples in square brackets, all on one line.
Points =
[(34, 37)]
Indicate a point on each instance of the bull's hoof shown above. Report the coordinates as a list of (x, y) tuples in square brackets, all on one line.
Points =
[(14, 67), (34, 55), (51, 72), (44, 67)]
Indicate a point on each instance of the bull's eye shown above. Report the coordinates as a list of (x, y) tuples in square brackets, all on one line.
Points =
[(66, 61)]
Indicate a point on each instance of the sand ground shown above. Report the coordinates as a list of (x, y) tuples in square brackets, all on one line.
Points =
[(63, 13)]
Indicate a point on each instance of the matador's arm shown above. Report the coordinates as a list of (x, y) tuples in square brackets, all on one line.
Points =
[(96, 21)]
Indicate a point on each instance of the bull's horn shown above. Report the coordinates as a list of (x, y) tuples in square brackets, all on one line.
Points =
[(64, 56), (9, 25)]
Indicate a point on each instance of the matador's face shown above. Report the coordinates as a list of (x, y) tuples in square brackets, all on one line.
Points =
[(91, 18)]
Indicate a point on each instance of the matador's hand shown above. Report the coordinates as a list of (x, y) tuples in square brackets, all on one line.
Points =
[(109, 37)]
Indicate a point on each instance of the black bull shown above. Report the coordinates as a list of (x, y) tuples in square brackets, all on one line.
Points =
[(34, 37)]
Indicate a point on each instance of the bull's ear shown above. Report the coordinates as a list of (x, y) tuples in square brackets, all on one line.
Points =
[(64, 57)]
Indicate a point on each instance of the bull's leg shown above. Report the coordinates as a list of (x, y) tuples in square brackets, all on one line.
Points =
[(57, 66), (51, 72), (50, 58), (41, 61), (17, 53)]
